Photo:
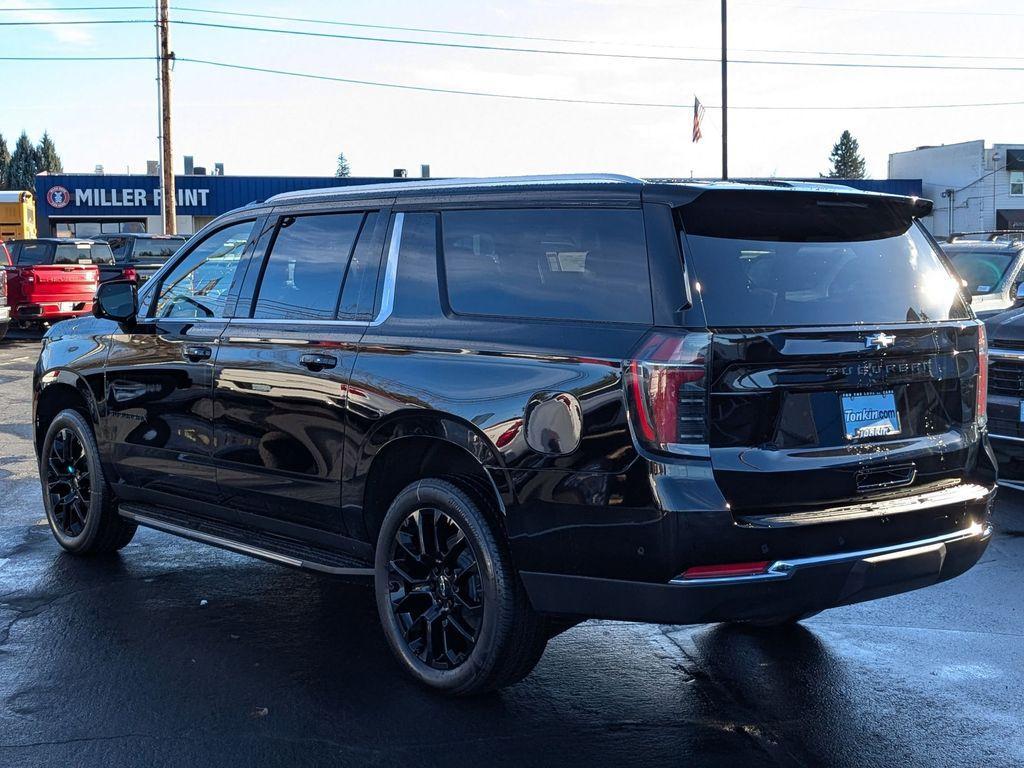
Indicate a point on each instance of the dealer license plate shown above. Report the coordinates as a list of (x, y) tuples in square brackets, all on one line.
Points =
[(871, 414)]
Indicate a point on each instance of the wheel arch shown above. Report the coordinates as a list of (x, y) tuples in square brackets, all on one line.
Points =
[(413, 454), (59, 391)]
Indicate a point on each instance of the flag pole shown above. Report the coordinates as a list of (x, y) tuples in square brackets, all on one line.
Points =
[(725, 95)]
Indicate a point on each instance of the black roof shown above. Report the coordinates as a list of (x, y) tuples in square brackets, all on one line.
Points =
[(58, 240), (595, 185)]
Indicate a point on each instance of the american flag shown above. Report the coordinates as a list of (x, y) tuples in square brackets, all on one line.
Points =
[(698, 115)]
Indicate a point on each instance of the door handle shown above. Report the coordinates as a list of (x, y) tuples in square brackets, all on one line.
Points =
[(318, 362), (196, 352)]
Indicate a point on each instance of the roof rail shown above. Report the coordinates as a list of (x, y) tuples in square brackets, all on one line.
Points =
[(481, 182)]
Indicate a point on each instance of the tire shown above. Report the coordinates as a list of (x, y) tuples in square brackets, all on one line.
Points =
[(3, 330), (489, 636), (79, 505)]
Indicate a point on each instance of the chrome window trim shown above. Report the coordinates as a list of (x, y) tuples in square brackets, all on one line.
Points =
[(784, 569), (387, 304)]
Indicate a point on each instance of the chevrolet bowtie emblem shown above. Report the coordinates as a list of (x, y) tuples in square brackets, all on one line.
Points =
[(880, 341)]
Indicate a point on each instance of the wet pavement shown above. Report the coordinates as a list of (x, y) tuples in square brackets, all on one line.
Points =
[(173, 653)]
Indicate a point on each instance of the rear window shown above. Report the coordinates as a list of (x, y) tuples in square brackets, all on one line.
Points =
[(153, 250), (982, 271), (777, 259), (558, 264), (83, 253)]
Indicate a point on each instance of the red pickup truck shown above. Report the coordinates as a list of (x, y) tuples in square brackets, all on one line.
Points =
[(53, 278), (5, 311)]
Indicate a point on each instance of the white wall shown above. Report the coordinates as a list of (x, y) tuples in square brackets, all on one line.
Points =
[(951, 166)]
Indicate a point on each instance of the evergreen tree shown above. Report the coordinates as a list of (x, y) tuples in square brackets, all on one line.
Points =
[(5, 162), (21, 173), (846, 160), (342, 171), (49, 160)]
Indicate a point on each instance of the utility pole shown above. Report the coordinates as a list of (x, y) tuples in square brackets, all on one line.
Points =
[(725, 94), (168, 195)]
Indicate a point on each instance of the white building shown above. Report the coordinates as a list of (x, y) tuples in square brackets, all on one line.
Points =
[(985, 186)]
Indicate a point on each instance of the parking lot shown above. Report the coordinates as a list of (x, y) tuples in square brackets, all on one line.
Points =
[(173, 653)]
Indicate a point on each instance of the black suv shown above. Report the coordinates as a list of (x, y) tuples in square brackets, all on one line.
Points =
[(520, 403), (137, 256)]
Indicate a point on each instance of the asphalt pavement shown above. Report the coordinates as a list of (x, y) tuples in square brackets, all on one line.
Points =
[(174, 653)]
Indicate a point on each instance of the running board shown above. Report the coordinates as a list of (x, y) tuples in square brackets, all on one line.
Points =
[(247, 541)]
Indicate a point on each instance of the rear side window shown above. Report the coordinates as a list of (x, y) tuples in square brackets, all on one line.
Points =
[(559, 264), (308, 259), (101, 254)]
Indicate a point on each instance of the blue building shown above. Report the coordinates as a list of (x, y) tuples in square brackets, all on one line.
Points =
[(86, 204)]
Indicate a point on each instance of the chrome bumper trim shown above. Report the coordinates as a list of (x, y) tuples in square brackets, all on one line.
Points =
[(994, 436), (784, 569)]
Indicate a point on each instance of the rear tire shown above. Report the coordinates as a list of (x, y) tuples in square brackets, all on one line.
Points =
[(453, 608), (79, 506)]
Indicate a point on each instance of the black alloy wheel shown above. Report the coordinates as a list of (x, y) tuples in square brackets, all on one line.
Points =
[(435, 589), (68, 482), (452, 606), (80, 506)]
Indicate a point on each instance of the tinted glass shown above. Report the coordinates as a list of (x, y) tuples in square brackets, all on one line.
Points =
[(198, 286), (361, 279), (101, 254), (982, 271), (302, 278), (32, 253), (73, 253), (119, 247), (152, 250), (562, 264), (777, 259)]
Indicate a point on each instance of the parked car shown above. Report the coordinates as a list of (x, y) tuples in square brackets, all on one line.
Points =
[(53, 278), (138, 256), (1006, 394), (519, 403), (992, 265), (5, 311)]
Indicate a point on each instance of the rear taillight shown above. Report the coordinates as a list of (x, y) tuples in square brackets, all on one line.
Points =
[(130, 274), (981, 402), (666, 389)]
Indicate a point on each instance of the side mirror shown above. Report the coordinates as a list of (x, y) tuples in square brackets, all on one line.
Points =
[(116, 300), (1019, 293)]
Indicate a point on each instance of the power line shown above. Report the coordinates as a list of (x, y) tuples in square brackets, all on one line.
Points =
[(890, 9), (597, 102), (71, 23), (595, 54), (47, 9), (77, 58), (495, 35)]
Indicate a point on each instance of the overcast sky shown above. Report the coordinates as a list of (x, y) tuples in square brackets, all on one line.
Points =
[(256, 123)]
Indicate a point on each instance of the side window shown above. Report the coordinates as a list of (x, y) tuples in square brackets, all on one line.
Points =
[(562, 264), (198, 285), (361, 278), (303, 275), (119, 246)]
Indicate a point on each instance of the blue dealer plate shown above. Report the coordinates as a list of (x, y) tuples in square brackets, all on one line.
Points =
[(872, 414)]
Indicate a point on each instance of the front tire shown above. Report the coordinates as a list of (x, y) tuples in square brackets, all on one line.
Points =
[(79, 506), (453, 608)]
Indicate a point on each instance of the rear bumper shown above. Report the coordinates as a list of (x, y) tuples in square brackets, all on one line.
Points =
[(789, 587), (52, 310)]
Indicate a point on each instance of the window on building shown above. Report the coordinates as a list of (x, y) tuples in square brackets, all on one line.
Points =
[(303, 275), (1017, 183), (562, 264)]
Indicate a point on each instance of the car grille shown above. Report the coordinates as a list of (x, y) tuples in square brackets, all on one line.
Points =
[(1006, 377)]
